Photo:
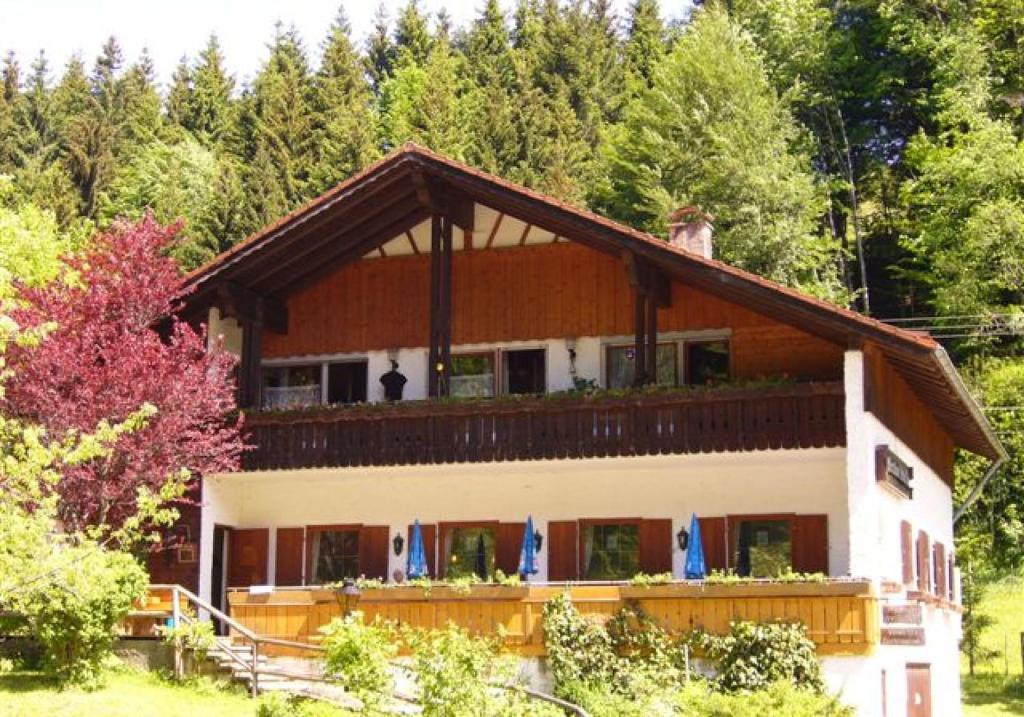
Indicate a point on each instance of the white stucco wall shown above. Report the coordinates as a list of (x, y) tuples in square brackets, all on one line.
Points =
[(224, 329), (797, 481)]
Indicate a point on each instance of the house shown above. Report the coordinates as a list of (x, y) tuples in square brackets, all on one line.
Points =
[(552, 363)]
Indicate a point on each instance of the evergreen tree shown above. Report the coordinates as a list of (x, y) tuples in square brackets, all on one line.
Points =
[(381, 51), (10, 101), (645, 44), (711, 132), (209, 114), (280, 143), (344, 136), (412, 36), (179, 96), (142, 122)]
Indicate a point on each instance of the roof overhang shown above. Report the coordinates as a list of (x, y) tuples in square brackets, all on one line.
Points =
[(404, 188)]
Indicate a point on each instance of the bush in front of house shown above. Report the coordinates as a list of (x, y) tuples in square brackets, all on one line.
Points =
[(754, 655), (358, 655), (75, 613)]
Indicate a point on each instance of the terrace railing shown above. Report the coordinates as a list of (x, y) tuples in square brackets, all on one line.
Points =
[(728, 419)]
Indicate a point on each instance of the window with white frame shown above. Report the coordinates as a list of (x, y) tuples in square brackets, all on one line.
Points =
[(680, 362), (312, 384)]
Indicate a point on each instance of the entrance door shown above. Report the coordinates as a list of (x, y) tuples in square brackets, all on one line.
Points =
[(217, 573), (247, 557), (919, 691)]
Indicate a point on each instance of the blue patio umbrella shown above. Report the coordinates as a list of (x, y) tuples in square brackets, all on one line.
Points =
[(528, 553), (417, 554), (695, 568)]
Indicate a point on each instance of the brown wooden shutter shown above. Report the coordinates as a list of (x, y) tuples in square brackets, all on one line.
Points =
[(924, 572), (508, 542), (288, 556), (712, 535), (939, 559), (562, 542), (656, 546), (810, 544), (247, 557), (907, 550), (373, 551), (429, 533)]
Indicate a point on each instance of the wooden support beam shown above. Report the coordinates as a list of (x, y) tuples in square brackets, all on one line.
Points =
[(412, 242), (494, 231), (639, 339), (245, 305), (250, 375), (446, 304), (651, 370), (526, 232), (467, 240), (440, 354)]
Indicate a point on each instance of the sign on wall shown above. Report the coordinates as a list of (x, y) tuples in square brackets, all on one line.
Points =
[(893, 471)]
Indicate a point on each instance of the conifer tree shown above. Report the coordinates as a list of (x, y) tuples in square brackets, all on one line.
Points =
[(10, 101), (380, 51), (412, 35), (345, 139), (142, 122), (209, 114), (645, 43), (179, 96)]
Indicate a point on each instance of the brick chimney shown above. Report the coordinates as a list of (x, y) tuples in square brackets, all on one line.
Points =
[(689, 228)]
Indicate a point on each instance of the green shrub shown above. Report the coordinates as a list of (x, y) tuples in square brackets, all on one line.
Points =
[(580, 651), (76, 613), (453, 670), (195, 635), (358, 655), (755, 655)]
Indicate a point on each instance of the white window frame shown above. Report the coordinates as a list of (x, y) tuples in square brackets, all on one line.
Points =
[(679, 338)]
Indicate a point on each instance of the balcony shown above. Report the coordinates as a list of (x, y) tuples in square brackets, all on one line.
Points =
[(841, 616), (801, 415)]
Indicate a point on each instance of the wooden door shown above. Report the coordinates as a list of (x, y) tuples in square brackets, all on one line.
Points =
[(247, 557), (919, 691)]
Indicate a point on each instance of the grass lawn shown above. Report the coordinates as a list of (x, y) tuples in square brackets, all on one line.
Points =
[(126, 694), (990, 693)]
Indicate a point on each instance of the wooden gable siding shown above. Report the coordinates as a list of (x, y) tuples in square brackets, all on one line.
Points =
[(527, 293), (892, 401)]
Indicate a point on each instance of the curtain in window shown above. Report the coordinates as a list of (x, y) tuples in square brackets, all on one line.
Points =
[(588, 549)]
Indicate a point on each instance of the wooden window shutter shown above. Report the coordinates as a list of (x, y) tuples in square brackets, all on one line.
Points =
[(429, 533), (247, 557), (939, 559), (712, 535), (907, 550), (951, 578), (508, 541), (373, 551), (810, 544), (656, 546), (562, 542), (924, 560), (288, 557)]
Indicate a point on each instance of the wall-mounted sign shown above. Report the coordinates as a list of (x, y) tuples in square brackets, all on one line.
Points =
[(893, 471), (910, 636)]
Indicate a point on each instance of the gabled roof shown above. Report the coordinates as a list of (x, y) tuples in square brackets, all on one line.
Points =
[(395, 193)]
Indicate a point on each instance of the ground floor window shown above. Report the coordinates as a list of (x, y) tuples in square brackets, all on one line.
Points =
[(335, 554), (621, 363), (472, 375), (468, 550), (707, 362), (763, 547), (611, 551)]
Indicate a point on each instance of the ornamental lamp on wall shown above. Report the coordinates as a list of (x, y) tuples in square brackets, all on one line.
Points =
[(398, 543), (683, 538)]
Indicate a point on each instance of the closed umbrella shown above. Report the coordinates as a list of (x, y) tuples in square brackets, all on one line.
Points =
[(417, 554), (528, 553), (695, 568)]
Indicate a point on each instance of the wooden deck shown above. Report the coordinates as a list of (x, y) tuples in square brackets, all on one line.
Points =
[(808, 415), (842, 617)]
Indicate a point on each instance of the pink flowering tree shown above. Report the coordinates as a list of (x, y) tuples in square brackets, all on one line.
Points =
[(113, 345)]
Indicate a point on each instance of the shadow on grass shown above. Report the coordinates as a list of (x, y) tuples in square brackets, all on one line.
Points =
[(1007, 692), (26, 682)]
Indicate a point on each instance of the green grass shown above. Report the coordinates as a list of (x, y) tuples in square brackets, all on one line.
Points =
[(991, 693), (127, 694)]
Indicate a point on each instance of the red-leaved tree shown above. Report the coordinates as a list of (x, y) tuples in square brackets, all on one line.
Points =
[(104, 358)]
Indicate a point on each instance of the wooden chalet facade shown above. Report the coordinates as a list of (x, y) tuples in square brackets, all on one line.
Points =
[(559, 365)]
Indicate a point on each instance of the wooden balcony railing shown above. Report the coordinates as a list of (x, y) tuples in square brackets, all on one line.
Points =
[(841, 617), (725, 419)]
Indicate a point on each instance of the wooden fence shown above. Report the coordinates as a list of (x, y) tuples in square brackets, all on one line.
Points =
[(842, 617), (790, 416)]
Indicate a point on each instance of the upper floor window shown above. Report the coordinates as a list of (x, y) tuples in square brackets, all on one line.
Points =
[(301, 385), (508, 371), (684, 362)]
